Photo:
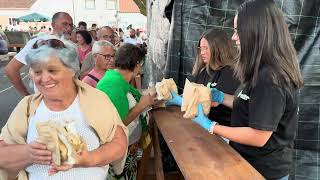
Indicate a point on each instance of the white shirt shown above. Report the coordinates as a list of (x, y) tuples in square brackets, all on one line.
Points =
[(133, 41), (134, 127), (21, 56), (73, 112)]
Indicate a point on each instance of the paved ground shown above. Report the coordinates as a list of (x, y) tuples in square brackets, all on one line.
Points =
[(9, 97)]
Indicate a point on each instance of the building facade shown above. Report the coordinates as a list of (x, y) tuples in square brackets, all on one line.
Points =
[(117, 13)]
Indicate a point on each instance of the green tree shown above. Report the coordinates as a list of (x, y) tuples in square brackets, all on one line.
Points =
[(142, 4)]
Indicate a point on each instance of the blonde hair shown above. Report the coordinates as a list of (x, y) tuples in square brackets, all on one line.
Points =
[(221, 49)]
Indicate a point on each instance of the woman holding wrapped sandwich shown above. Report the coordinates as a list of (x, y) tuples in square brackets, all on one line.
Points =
[(64, 130), (130, 104), (265, 106), (214, 69)]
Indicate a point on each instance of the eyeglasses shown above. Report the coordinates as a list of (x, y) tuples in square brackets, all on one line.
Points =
[(108, 37), (205, 48), (107, 56), (66, 24), (54, 43)]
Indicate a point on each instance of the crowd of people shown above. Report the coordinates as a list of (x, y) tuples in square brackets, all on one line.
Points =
[(89, 77)]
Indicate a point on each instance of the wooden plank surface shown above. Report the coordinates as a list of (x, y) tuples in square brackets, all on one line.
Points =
[(199, 154)]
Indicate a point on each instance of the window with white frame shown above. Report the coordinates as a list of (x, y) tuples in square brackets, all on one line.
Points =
[(111, 4), (90, 4)]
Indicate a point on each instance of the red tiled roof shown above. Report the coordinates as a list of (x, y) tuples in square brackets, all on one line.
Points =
[(16, 3), (128, 6)]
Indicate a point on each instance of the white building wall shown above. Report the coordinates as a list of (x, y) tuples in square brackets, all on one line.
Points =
[(136, 19), (49, 7), (100, 15), (5, 14), (13, 13)]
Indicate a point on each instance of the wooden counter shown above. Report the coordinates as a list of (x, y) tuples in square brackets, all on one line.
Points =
[(200, 155)]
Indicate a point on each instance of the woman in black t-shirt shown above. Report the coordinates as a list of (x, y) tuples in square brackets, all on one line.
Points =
[(265, 105), (213, 69), (215, 56)]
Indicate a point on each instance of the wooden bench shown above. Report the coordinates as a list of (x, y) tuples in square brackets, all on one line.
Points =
[(199, 155)]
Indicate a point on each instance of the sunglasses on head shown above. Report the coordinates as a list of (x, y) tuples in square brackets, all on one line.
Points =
[(54, 43), (140, 62)]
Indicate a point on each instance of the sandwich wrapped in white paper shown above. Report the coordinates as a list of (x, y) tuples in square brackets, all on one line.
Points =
[(193, 94), (164, 88), (62, 140)]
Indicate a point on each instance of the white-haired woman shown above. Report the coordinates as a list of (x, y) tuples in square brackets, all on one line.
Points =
[(61, 96), (103, 54)]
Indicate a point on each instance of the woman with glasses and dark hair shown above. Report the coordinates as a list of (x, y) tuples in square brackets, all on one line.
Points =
[(214, 69), (84, 40), (131, 105), (103, 55), (61, 99), (265, 105)]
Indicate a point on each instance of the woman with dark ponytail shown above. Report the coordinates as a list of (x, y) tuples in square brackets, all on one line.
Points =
[(265, 106)]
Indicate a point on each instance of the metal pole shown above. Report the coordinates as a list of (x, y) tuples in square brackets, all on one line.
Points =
[(74, 14)]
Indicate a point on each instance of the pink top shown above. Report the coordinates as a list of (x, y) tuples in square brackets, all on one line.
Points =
[(83, 53), (87, 79)]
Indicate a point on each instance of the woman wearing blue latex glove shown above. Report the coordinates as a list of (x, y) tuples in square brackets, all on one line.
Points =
[(216, 95), (213, 68), (175, 100), (265, 106), (203, 121)]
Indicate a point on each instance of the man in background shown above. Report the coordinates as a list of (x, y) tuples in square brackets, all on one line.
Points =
[(82, 25), (104, 33), (61, 25), (133, 39)]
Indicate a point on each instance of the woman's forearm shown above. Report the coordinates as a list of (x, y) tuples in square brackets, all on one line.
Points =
[(14, 157), (133, 114), (112, 151), (228, 100), (243, 135)]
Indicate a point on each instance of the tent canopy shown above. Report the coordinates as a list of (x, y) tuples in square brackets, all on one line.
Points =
[(34, 17)]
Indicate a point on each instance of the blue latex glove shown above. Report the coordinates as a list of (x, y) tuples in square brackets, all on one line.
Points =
[(175, 100), (217, 96), (202, 119)]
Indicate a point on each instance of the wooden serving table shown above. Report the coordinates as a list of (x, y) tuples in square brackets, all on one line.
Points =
[(199, 155)]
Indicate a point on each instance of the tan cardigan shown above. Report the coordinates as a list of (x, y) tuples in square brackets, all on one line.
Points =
[(98, 109)]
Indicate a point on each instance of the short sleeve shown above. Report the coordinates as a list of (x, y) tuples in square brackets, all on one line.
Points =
[(21, 56), (228, 83), (266, 106)]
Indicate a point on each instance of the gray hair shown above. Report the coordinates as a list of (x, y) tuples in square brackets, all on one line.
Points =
[(59, 14), (68, 56), (96, 48), (104, 27)]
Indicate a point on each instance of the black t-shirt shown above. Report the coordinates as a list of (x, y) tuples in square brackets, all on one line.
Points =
[(268, 107), (225, 82)]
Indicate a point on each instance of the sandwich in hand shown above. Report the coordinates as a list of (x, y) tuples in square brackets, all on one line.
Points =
[(62, 140)]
